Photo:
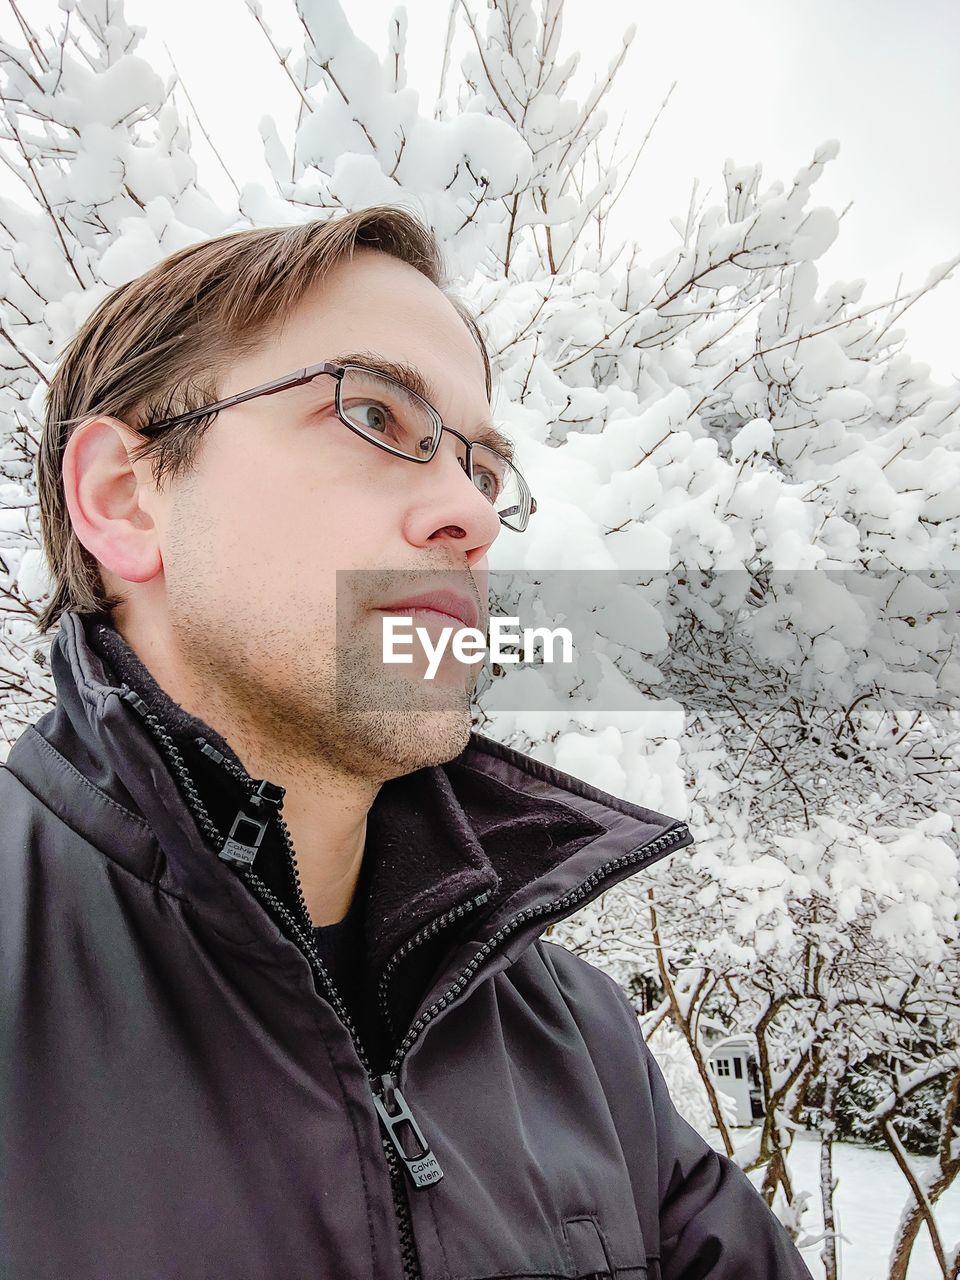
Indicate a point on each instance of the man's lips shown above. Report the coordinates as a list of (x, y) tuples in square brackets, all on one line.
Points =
[(456, 607)]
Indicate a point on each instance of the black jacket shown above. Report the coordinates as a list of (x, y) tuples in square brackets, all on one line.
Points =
[(182, 1095)]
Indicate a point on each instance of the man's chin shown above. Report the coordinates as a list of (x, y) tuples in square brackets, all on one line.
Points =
[(395, 737), (394, 721), (433, 738)]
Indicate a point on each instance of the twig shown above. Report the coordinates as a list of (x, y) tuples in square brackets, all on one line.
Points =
[(646, 139), (30, 36), (483, 62), (447, 47), (42, 200), (23, 356), (282, 60), (196, 114), (920, 293)]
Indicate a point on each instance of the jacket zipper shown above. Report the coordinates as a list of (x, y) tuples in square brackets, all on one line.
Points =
[(392, 1108)]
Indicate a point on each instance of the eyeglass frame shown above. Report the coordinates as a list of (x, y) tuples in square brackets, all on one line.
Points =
[(337, 371)]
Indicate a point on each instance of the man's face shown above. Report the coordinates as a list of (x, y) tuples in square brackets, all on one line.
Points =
[(284, 495)]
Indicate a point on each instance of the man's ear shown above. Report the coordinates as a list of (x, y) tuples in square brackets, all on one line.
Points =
[(111, 506)]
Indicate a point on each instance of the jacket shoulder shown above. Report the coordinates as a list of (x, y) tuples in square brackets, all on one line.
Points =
[(58, 873), (46, 802), (590, 991), (608, 1024)]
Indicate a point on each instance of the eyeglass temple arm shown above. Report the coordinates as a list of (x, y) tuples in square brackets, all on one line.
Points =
[(266, 389)]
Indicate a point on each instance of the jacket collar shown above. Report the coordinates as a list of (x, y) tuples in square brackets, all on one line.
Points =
[(455, 851)]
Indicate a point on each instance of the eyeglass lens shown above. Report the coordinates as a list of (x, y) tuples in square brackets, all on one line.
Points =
[(385, 411)]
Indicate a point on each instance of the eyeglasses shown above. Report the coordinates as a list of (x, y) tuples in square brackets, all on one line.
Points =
[(393, 417)]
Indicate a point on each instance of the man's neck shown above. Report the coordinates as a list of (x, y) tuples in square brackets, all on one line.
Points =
[(329, 836)]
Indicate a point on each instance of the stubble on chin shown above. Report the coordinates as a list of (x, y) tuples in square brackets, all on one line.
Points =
[(390, 724)]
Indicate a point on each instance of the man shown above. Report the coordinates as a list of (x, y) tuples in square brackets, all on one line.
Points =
[(274, 999)]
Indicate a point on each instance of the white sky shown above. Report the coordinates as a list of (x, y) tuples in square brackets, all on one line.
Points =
[(757, 80)]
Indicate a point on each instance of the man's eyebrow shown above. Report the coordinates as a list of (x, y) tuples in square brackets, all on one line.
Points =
[(409, 376)]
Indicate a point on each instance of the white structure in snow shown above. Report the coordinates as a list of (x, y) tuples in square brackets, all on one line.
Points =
[(733, 1064)]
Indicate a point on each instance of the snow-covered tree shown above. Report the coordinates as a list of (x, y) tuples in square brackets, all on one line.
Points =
[(753, 453)]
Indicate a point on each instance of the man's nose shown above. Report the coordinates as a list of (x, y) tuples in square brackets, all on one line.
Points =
[(445, 505)]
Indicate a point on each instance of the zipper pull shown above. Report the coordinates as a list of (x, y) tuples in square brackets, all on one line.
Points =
[(246, 835), (422, 1166), (135, 701)]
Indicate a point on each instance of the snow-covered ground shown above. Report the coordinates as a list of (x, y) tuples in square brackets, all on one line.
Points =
[(871, 1193)]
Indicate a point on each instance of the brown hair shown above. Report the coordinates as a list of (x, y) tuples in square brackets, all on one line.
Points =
[(157, 345)]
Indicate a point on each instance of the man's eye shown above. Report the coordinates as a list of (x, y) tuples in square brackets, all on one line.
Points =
[(370, 416), (487, 483)]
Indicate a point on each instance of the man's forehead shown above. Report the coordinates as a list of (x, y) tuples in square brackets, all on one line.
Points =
[(415, 380)]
